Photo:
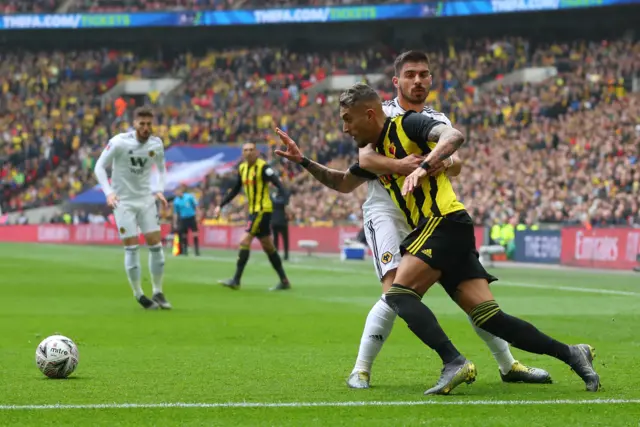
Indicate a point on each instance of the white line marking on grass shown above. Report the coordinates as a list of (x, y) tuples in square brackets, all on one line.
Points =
[(568, 289), (322, 404), (359, 269)]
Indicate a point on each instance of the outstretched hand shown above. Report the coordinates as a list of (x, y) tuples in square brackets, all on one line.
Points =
[(293, 153), (413, 181)]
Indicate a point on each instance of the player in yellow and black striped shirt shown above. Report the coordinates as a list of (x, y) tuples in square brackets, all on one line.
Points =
[(254, 176), (442, 245)]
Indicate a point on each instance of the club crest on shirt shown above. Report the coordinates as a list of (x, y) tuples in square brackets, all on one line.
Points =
[(386, 257), (152, 153), (122, 230)]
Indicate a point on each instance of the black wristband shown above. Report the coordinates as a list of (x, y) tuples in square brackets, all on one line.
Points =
[(424, 165), (305, 162)]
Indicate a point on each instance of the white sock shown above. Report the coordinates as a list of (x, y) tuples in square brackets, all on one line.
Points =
[(376, 331), (156, 266), (499, 348), (132, 267)]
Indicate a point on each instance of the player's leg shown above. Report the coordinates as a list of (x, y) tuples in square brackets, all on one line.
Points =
[(383, 238), (243, 257), (285, 241), (413, 278), (511, 370), (183, 234), (427, 251), (125, 217), (264, 234), (475, 298), (149, 221), (193, 226), (377, 329), (276, 230)]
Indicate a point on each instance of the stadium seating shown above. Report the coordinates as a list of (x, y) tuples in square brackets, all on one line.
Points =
[(32, 6), (141, 5), (564, 150)]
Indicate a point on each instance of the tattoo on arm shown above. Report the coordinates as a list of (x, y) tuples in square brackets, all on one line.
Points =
[(329, 177), (448, 141)]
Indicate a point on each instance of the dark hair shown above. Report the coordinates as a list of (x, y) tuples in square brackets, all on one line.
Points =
[(143, 112), (409, 56), (359, 92)]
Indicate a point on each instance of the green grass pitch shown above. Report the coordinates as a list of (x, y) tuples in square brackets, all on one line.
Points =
[(220, 347)]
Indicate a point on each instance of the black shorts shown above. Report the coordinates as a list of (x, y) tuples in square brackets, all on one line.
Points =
[(448, 244), (186, 224), (259, 224)]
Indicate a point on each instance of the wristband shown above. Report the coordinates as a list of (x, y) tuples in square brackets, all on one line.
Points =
[(450, 161), (424, 165), (305, 162)]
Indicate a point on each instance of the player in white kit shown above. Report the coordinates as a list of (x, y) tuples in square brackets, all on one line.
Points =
[(385, 226), (131, 156)]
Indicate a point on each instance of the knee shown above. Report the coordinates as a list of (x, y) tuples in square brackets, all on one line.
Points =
[(267, 245), (398, 296), (130, 242), (153, 239), (245, 243), (484, 312)]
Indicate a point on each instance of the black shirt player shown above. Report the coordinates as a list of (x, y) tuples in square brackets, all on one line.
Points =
[(280, 220)]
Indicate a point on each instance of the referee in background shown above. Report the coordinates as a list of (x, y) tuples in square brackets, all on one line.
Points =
[(184, 219), (280, 220)]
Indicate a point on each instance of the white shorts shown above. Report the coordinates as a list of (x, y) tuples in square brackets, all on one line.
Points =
[(384, 234), (130, 216)]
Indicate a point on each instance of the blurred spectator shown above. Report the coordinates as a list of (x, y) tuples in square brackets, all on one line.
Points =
[(29, 6), (156, 5)]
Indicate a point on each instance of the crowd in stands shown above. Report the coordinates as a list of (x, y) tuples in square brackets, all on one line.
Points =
[(157, 5), (28, 6), (53, 121), (564, 150)]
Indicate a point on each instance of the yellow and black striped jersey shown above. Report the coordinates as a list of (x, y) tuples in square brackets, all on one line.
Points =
[(405, 135), (254, 179)]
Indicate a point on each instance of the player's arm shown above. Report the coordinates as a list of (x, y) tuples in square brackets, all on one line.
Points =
[(106, 160), (421, 128), (162, 170), (162, 175), (370, 160), (237, 186), (341, 181), (455, 167), (269, 175)]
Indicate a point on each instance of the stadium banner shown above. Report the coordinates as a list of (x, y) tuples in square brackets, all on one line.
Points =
[(292, 15), (221, 237), (612, 248), (539, 246), (85, 234)]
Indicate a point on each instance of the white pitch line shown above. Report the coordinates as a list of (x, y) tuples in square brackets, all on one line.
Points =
[(183, 405), (568, 289), (358, 269)]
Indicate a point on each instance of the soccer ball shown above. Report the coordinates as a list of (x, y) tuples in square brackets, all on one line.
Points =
[(57, 356)]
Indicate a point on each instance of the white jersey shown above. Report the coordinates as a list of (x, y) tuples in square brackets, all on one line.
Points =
[(131, 163), (378, 200)]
